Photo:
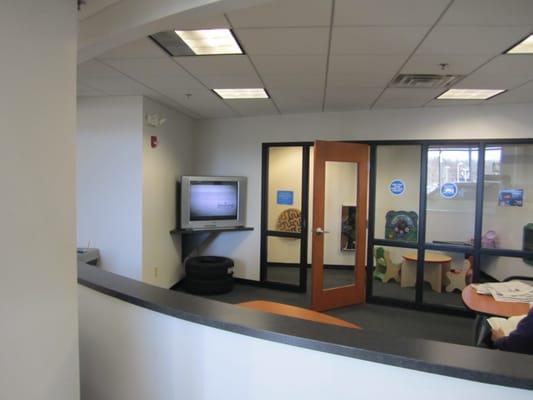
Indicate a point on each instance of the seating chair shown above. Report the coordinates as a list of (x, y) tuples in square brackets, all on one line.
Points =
[(385, 268), (458, 278)]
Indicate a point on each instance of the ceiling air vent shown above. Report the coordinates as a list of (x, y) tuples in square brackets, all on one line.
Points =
[(423, 81)]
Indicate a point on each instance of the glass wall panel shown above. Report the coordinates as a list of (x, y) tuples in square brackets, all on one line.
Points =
[(388, 272), (451, 194), (397, 192), (496, 268), (283, 260), (340, 205), (508, 197), (445, 275), (284, 188)]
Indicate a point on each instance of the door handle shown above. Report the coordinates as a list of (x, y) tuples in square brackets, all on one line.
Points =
[(320, 231)]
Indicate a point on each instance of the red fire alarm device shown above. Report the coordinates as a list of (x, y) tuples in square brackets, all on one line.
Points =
[(154, 141)]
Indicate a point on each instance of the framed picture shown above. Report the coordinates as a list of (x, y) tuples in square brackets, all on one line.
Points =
[(348, 227), (401, 225)]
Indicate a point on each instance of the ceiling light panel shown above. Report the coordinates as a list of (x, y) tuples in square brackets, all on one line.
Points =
[(210, 41), (524, 47), (252, 93), (469, 94)]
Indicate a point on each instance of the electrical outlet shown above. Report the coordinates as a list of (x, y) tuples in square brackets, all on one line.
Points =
[(156, 272)]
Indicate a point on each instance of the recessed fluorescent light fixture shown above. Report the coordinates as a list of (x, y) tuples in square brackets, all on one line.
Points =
[(524, 47), (229, 94), (469, 94), (210, 41)]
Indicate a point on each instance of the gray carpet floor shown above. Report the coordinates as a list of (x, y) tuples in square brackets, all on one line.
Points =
[(396, 321), (391, 290)]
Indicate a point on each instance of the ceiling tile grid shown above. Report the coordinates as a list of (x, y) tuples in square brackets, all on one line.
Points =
[(284, 41), (284, 13), (388, 40), (287, 43), (347, 97), (388, 12)]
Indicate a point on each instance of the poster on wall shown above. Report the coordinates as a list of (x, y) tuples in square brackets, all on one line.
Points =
[(348, 227), (285, 197), (511, 198), (397, 187)]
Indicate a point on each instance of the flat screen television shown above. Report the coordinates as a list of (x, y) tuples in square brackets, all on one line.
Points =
[(211, 202)]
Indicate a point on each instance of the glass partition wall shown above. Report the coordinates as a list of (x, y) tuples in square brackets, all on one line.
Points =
[(468, 203), (284, 216), (442, 214)]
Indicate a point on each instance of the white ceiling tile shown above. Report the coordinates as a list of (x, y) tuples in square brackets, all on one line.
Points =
[(388, 12), (471, 40), (453, 103), (94, 6), (522, 94), (290, 65), (94, 68), (294, 81), (284, 41), (231, 81), (350, 98), (201, 101), (284, 13), (178, 22), (406, 97), (298, 100), (253, 107), (116, 86), (140, 67), (363, 70), (503, 72), (490, 12), (143, 48), (217, 65), (156, 72), (430, 64), (376, 39)]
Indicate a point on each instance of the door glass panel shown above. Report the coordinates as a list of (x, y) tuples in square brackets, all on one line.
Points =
[(388, 271), (283, 260), (285, 188), (451, 194), (445, 275), (507, 199), (397, 192), (340, 207)]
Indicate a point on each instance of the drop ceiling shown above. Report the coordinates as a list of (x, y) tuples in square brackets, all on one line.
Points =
[(325, 55)]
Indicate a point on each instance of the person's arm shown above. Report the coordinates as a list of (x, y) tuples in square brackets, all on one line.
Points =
[(520, 340)]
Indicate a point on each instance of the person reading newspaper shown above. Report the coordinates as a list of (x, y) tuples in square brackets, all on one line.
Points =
[(518, 340)]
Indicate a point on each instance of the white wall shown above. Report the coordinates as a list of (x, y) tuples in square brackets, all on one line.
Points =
[(162, 166), (126, 190), (233, 147), (109, 181), (143, 355), (38, 298)]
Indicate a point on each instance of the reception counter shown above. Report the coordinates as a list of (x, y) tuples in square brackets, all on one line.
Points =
[(167, 333)]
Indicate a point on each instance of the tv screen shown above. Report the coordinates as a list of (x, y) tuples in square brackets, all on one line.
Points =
[(213, 200)]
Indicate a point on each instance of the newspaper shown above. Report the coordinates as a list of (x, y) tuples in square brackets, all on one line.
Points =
[(512, 291), (507, 325)]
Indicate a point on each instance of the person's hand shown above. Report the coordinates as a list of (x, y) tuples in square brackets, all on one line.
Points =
[(497, 334)]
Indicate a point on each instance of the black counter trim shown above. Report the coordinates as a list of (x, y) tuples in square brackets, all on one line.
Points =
[(464, 362)]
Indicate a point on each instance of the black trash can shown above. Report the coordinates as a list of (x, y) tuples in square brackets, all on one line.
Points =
[(209, 275)]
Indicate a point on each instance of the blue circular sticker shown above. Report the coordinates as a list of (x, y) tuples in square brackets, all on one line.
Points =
[(448, 190), (397, 187)]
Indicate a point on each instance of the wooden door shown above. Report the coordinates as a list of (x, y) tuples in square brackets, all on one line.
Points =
[(340, 191)]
